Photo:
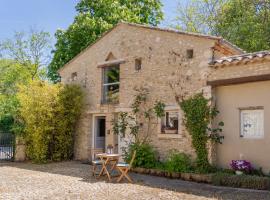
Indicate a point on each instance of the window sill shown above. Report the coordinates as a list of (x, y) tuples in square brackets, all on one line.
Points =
[(169, 136)]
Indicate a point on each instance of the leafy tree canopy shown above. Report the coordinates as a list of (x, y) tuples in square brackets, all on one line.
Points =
[(30, 50), (246, 23), (94, 18), (23, 58), (242, 22)]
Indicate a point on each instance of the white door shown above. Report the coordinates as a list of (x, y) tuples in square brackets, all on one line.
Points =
[(100, 132)]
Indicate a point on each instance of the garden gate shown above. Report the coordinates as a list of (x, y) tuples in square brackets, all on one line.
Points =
[(7, 146)]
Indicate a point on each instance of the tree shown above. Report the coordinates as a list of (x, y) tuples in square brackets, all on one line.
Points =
[(245, 23), (24, 57), (198, 15), (29, 50), (93, 19), (242, 22), (11, 75)]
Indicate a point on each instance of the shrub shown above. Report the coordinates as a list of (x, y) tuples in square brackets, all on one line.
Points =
[(241, 165), (178, 162), (145, 155), (49, 114), (241, 181)]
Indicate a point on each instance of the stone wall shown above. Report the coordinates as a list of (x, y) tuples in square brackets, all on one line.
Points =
[(163, 54)]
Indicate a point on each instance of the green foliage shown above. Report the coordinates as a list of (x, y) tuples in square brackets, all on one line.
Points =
[(93, 20), (178, 162), (245, 23), (70, 103), (159, 109), (49, 114), (198, 114), (29, 50), (198, 15), (11, 75), (242, 22), (241, 181), (141, 113), (145, 155)]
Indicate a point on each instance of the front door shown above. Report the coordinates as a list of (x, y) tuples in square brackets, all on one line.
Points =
[(100, 133)]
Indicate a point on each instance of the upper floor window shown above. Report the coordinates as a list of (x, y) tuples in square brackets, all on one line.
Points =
[(252, 123), (111, 83)]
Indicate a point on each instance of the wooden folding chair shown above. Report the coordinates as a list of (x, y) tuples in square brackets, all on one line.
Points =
[(124, 169), (95, 163)]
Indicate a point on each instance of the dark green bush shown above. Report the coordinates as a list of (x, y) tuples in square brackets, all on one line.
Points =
[(178, 162), (241, 181), (145, 155)]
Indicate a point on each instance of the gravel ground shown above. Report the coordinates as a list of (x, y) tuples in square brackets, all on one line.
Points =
[(72, 180)]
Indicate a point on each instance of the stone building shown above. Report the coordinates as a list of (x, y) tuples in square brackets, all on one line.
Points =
[(131, 55)]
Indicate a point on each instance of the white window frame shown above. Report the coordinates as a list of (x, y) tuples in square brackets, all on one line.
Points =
[(260, 130), (104, 100)]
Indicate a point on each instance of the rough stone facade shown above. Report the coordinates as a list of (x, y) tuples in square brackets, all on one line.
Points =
[(162, 53)]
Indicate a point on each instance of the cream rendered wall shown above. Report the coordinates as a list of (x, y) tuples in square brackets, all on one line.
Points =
[(228, 100)]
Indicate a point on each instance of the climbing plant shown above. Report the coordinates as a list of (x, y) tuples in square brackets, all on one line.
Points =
[(197, 116), (142, 119), (140, 123)]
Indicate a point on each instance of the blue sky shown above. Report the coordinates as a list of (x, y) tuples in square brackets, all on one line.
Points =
[(20, 15)]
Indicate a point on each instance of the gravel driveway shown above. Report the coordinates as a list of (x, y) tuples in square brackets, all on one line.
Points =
[(72, 180)]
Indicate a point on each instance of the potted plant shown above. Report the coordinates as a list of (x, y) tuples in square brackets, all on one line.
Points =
[(241, 166)]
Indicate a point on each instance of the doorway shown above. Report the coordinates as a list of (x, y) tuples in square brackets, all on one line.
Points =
[(100, 130)]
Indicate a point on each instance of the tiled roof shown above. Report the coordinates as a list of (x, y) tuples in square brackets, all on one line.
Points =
[(239, 58)]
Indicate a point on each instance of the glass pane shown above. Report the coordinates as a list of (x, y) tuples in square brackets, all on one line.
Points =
[(111, 93), (111, 74)]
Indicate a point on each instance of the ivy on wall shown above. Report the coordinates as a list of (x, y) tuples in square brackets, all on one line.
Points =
[(197, 116)]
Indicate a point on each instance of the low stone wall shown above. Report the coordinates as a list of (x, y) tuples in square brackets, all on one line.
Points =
[(200, 178)]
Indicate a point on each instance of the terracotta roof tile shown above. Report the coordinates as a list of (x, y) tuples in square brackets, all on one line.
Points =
[(239, 58)]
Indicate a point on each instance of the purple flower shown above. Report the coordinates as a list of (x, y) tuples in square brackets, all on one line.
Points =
[(241, 165)]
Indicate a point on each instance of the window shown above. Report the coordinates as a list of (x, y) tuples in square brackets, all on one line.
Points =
[(111, 83), (190, 53), (252, 123), (138, 64), (169, 123), (74, 76)]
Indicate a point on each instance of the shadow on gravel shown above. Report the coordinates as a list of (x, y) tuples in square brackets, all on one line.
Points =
[(83, 171)]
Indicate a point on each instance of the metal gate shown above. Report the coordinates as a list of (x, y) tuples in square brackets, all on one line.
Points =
[(7, 146)]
